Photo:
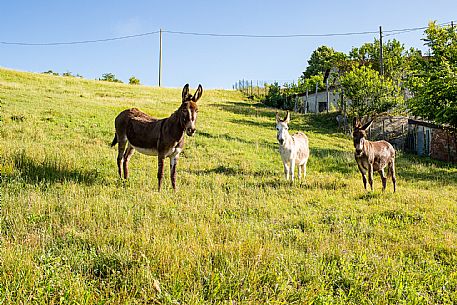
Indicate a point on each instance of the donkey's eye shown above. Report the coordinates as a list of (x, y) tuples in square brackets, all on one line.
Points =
[(277, 128)]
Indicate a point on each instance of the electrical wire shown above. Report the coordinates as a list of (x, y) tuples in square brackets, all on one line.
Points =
[(386, 33), (269, 36), (77, 42)]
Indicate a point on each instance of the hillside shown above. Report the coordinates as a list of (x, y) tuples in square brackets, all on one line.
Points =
[(233, 233)]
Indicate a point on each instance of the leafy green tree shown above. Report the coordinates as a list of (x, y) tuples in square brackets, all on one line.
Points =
[(396, 59), (134, 81), (322, 60), (369, 92), (434, 82), (274, 97), (110, 77), (310, 83)]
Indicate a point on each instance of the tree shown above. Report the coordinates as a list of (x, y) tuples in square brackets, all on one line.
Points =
[(134, 81), (396, 59), (274, 97), (322, 60), (110, 77), (434, 82), (369, 92)]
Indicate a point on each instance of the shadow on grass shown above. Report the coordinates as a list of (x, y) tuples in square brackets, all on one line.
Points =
[(334, 160), (228, 137), (279, 183), (231, 171), (51, 171), (246, 108), (319, 123), (370, 194), (267, 125), (414, 168)]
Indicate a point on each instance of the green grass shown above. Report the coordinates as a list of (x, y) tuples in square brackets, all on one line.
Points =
[(233, 233)]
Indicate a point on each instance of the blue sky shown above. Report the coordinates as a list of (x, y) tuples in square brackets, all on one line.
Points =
[(215, 62)]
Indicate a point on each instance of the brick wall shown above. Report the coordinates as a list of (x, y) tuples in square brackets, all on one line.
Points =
[(443, 145)]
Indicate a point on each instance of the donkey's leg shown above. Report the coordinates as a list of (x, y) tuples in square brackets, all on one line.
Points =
[(122, 141), (127, 155), (292, 169), (286, 169), (383, 178), (304, 168), (173, 163), (392, 172), (364, 175), (370, 176), (160, 171), (299, 171)]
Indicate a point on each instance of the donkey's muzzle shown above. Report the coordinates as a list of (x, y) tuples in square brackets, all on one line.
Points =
[(281, 141), (190, 131), (358, 152)]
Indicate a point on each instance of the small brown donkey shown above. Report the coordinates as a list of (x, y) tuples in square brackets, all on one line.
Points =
[(373, 156), (156, 137)]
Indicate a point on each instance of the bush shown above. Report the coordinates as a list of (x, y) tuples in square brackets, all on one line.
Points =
[(110, 77), (134, 81), (51, 73)]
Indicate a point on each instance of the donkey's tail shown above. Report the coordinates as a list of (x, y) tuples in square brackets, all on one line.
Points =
[(114, 141)]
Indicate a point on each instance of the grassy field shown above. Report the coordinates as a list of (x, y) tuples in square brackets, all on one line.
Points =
[(233, 233)]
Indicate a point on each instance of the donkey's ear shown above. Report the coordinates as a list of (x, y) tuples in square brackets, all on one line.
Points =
[(367, 125), (287, 118), (278, 119), (355, 123), (185, 92), (198, 93)]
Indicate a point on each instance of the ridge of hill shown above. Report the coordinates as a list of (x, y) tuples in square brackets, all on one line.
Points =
[(233, 232)]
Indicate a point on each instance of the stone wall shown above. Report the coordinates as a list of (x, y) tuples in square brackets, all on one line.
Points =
[(443, 145), (393, 129)]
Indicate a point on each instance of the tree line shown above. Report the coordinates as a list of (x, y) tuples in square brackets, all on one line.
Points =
[(107, 77), (424, 85)]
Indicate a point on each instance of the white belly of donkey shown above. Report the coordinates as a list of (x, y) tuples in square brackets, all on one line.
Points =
[(153, 152), (146, 151)]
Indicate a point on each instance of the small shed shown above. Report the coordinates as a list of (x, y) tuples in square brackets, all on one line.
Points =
[(429, 139)]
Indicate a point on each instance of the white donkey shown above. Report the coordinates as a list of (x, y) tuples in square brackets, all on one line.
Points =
[(293, 149)]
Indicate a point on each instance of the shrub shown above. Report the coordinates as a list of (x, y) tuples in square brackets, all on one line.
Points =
[(110, 77), (134, 81)]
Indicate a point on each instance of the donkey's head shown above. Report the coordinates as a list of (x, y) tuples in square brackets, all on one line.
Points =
[(189, 109), (282, 128), (359, 135)]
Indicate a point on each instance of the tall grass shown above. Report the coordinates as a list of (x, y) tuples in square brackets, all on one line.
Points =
[(233, 233)]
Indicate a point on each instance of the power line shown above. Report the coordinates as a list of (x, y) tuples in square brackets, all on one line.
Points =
[(389, 33), (77, 42), (396, 32), (270, 36)]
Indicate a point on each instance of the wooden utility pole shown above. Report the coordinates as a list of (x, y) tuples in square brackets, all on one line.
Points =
[(160, 58), (327, 99), (316, 105), (306, 101), (381, 61)]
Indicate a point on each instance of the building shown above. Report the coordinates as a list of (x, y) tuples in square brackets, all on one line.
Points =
[(428, 139)]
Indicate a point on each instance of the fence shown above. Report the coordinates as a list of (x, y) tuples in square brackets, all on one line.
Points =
[(252, 88), (315, 102)]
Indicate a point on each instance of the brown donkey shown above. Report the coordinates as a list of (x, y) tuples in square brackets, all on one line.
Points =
[(156, 137), (373, 156)]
